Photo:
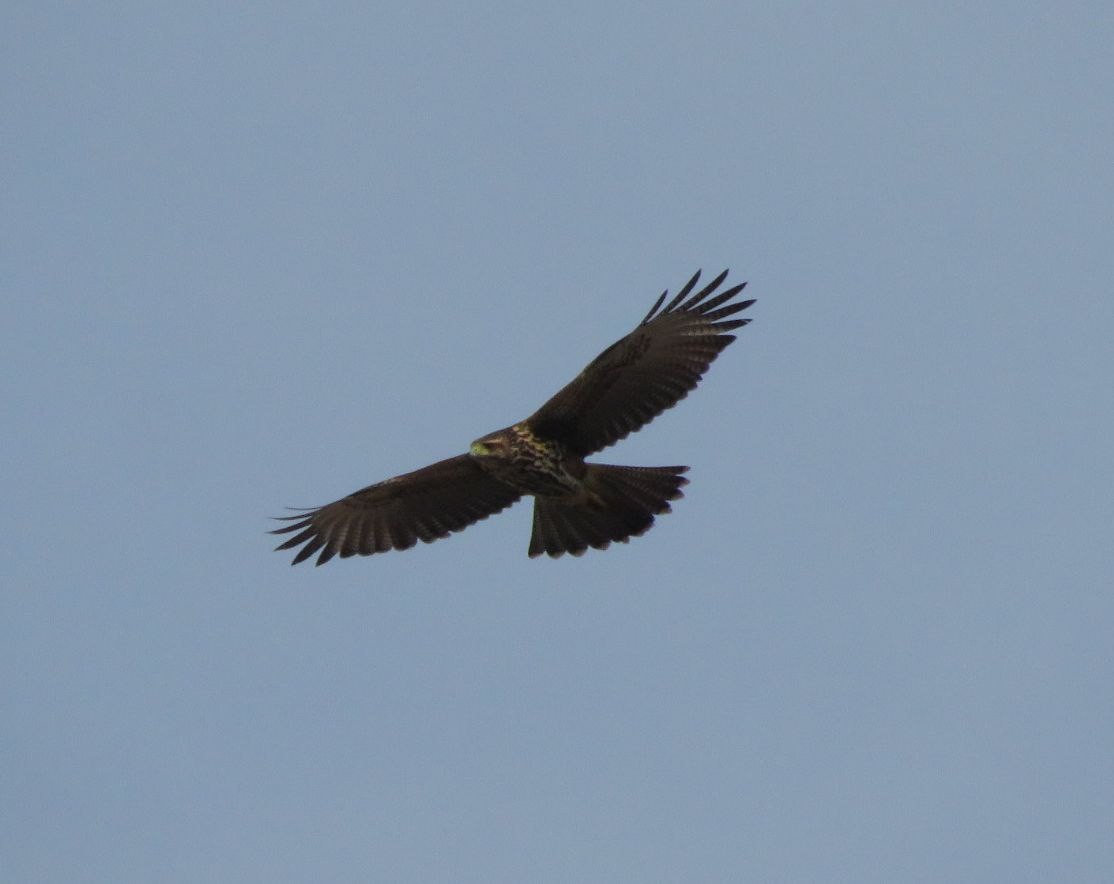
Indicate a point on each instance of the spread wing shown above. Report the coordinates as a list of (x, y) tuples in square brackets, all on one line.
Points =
[(425, 505), (651, 369)]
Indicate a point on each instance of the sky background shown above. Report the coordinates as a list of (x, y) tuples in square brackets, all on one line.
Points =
[(260, 255)]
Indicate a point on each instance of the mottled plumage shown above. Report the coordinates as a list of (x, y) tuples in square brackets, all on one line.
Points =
[(577, 504)]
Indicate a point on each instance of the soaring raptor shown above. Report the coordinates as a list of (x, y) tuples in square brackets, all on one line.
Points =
[(576, 504)]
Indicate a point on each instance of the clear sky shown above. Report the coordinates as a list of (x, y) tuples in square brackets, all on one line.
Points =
[(259, 255)]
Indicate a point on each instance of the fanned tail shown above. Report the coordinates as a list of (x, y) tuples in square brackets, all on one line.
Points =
[(618, 503)]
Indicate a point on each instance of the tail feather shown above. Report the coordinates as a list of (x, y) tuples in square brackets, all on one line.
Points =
[(619, 503)]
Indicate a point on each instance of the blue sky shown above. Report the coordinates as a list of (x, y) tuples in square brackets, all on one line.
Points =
[(264, 255)]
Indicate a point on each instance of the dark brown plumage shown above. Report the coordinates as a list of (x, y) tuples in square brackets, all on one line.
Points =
[(577, 504)]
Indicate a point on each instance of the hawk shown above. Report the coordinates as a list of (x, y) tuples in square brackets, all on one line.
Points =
[(576, 504)]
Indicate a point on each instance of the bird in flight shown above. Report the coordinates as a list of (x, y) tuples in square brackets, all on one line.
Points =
[(576, 504)]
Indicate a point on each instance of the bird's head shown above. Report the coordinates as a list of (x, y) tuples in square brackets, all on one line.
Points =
[(493, 445)]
